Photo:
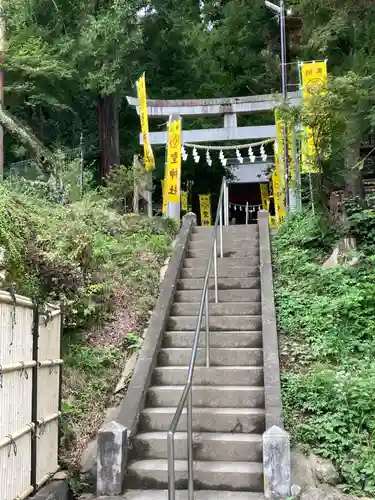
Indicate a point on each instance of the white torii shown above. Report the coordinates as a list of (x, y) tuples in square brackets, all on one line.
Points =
[(228, 107)]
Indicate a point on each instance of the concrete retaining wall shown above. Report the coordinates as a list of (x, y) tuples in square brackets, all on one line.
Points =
[(276, 442)]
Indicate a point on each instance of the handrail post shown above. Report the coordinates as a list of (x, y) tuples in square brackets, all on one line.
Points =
[(171, 474), (226, 206), (221, 231), (186, 400), (215, 271), (189, 417), (247, 213), (207, 340)]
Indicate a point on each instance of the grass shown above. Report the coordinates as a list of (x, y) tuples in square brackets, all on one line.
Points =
[(90, 375), (327, 326)]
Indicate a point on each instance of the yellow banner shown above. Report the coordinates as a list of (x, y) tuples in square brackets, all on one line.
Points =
[(265, 196), (184, 201), (279, 141), (163, 189), (142, 100), (313, 76), (279, 164), (205, 206), (174, 162), (276, 194)]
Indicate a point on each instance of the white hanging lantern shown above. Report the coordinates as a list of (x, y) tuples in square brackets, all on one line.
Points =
[(239, 156), (251, 155), (184, 154), (222, 158), (208, 158), (196, 155), (263, 153)]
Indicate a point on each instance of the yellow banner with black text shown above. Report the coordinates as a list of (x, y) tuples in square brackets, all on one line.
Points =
[(205, 207), (149, 159), (314, 78), (174, 162)]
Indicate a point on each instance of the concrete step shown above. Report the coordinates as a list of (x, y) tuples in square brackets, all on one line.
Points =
[(213, 375), (224, 263), (219, 396), (237, 476), (232, 253), (243, 295), (219, 356), (217, 339), (229, 272), (207, 232), (206, 419), (249, 252), (219, 309), (183, 495), (229, 244), (223, 283), (206, 446), (216, 323)]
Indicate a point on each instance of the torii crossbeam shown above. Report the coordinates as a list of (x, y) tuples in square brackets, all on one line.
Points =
[(228, 107)]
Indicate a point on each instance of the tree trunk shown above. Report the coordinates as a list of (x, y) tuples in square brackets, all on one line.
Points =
[(108, 134), (353, 177), (27, 138)]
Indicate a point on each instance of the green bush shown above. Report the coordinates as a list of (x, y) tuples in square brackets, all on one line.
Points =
[(326, 317), (80, 252), (361, 223)]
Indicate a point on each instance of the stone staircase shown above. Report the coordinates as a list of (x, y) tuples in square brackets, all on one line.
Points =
[(228, 397)]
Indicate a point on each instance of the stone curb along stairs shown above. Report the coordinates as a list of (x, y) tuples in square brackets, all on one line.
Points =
[(240, 448)]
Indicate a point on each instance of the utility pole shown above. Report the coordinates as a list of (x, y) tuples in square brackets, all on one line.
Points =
[(285, 97), (2, 50), (280, 9)]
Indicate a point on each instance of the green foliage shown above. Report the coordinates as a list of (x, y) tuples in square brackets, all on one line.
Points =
[(90, 373), (307, 232), (80, 252), (88, 257), (361, 223), (339, 115), (326, 318), (132, 341)]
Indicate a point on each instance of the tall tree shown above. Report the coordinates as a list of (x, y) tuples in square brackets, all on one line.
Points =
[(65, 61), (343, 32)]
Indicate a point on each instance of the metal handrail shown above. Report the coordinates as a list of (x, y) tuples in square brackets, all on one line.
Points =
[(186, 397)]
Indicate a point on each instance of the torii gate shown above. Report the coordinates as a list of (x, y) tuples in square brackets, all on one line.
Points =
[(229, 108)]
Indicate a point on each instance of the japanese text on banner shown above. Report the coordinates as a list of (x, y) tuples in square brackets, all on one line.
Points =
[(313, 77), (184, 201), (278, 198), (205, 206), (142, 99), (164, 192), (174, 162)]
